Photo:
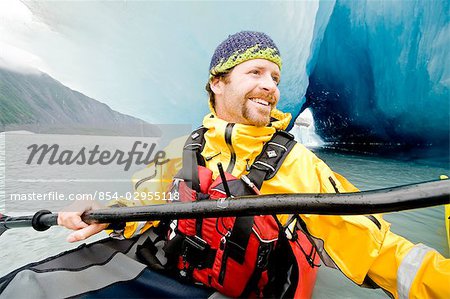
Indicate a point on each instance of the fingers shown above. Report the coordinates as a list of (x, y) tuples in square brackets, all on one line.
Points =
[(86, 232), (71, 220), (70, 217)]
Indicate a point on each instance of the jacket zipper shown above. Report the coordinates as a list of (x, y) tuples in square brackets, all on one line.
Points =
[(228, 132), (371, 217), (374, 220)]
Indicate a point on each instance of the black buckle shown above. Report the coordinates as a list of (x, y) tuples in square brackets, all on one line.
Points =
[(197, 252), (264, 251), (197, 243), (263, 166), (286, 134), (193, 146)]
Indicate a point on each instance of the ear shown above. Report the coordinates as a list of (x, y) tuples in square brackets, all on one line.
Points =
[(216, 85)]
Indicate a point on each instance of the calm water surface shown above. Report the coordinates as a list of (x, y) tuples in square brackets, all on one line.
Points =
[(22, 246)]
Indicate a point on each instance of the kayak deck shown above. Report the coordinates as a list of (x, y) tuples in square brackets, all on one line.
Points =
[(103, 269)]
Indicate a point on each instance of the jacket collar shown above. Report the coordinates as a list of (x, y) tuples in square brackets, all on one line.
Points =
[(279, 119), (246, 140)]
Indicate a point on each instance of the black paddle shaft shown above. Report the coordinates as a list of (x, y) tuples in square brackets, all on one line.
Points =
[(359, 203), (36, 221)]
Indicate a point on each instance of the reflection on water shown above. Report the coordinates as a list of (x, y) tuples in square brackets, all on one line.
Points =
[(423, 225)]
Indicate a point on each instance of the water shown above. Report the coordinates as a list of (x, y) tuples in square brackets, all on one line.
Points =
[(22, 246), (425, 226)]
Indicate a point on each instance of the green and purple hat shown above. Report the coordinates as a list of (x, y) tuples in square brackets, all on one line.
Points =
[(243, 46)]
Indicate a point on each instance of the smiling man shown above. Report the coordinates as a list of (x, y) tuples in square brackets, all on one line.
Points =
[(272, 256), (248, 93), (244, 90)]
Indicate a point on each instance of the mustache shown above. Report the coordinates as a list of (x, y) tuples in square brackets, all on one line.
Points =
[(269, 97)]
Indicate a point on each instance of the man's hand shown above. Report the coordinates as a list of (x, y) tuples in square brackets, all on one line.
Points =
[(70, 217)]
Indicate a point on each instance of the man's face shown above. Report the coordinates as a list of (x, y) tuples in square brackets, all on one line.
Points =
[(248, 93)]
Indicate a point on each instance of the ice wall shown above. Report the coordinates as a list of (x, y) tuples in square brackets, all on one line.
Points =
[(371, 71), (381, 74), (150, 59)]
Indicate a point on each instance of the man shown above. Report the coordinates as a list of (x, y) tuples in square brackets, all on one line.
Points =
[(243, 88)]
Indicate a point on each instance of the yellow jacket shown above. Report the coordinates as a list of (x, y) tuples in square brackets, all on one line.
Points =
[(361, 247)]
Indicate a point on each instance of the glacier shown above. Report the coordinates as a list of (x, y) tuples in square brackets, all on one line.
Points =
[(375, 74), (381, 76)]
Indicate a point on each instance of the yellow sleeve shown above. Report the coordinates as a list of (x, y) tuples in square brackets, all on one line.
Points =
[(410, 271), (151, 185), (330, 181), (367, 252)]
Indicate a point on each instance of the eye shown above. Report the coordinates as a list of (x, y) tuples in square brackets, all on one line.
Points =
[(276, 79), (255, 72)]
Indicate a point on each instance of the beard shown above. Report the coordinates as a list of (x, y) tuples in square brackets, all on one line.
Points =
[(256, 117)]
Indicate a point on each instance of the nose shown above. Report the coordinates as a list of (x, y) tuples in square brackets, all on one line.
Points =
[(268, 84)]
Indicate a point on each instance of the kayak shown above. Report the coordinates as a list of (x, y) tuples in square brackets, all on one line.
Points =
[(109, 268), (447, 223)]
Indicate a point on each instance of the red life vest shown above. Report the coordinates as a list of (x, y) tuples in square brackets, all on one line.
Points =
[(239, 256)]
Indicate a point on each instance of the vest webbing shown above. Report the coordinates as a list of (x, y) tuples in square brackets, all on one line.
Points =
[(265, 167)]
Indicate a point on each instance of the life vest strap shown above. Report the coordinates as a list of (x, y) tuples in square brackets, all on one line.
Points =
[(192, 158), (272, 156), (238, 240), (196, 257)]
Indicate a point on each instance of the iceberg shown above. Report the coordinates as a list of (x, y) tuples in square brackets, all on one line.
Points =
[(381, 75), (372, 72), (304, 130)]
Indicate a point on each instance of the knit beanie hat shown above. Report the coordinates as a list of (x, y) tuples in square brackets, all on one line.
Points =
[(243, 46)]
